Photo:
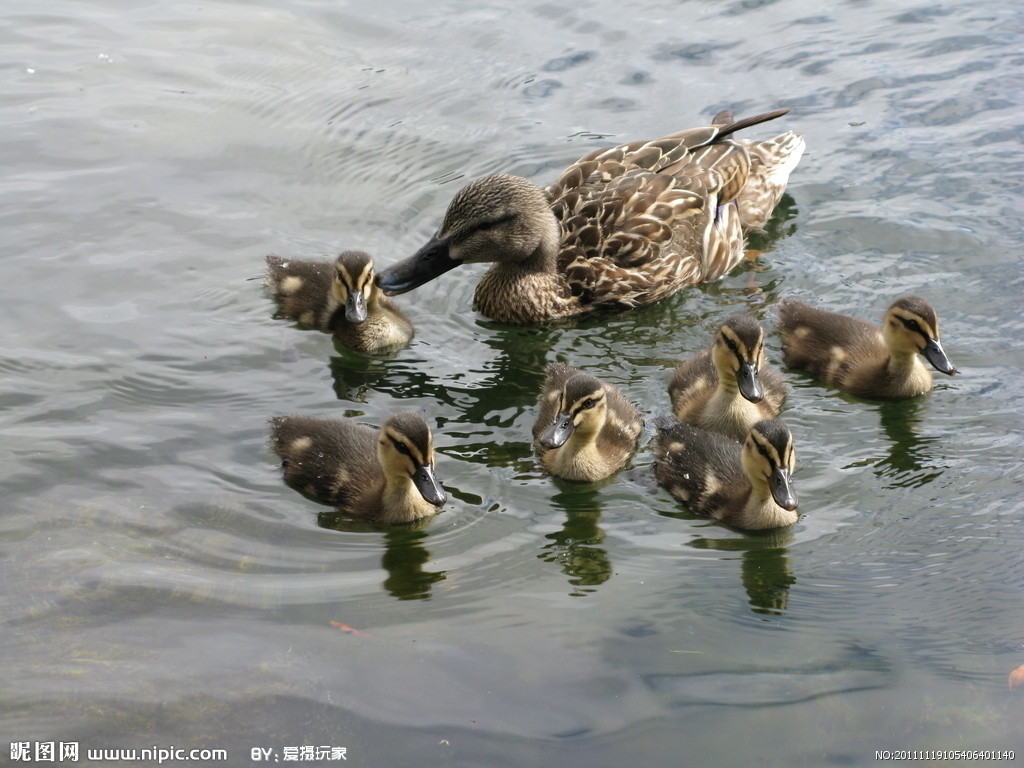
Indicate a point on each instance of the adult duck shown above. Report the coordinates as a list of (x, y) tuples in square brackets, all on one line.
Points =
[(622, 227)]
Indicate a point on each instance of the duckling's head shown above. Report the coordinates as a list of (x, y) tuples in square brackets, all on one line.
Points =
[(353, 284), (769, 458), (582, 409), (496, 218), (405, 448), (738, 353), (910, 327)]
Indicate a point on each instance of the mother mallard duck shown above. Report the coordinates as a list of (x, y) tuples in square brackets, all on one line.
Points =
[(622, 227)]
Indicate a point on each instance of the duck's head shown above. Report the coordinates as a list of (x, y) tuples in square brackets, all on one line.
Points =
[(405, 448), (496, 218), (768, 457), (582, 408), (353, 284), (738, 353), (910, 327)]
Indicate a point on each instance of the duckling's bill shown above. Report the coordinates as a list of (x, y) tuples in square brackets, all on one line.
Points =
[(934, 354), (430, 489), (782, 489), (749, 383), (559, 432), (430, 261), (355, 307)]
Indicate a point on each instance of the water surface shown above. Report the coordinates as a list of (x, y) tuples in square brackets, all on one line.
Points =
[(162, 586)]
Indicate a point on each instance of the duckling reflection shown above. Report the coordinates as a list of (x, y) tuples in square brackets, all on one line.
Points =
[(404, 554), (512, 369), (765, 569), (911, 460), (577, 546)]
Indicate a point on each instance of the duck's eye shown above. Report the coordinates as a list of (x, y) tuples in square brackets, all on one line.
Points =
[(402, 448), (483, 226), (761, 449), (589, 402), (730, 344)]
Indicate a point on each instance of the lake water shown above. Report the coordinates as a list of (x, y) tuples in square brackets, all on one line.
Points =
[(162, 587)]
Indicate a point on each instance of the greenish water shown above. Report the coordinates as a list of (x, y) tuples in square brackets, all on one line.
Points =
[(163, 587)]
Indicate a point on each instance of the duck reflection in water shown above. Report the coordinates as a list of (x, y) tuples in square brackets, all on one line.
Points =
[(764, 569), (404, 555), (911, 459), (577, 546)]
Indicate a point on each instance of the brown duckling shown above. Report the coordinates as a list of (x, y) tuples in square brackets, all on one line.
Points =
[(729, 387), (745, 486), (586, 429), (623, 226), (386, 476), (341, 298), (861, 358)]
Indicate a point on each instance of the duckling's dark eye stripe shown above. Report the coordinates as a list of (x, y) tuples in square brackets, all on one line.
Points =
[(401, 447), (914, 327)]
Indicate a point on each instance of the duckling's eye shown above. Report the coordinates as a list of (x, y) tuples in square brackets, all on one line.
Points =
[(912, 325), (402, 448), (761, 449), (730, 344), (589, 402)]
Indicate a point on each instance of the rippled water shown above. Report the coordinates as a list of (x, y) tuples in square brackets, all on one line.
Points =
[(163, 587)]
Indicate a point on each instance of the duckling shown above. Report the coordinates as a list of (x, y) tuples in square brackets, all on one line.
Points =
[(861, 358), (745, 486), (586, 429), (341, 298), (622, 227), (387, 477), (729, 387)]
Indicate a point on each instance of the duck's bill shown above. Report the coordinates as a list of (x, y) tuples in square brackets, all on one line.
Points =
[(556, 435), (933, 354), (428, 262), (430, 489), (749, 383), (782, 489), (355, 307)]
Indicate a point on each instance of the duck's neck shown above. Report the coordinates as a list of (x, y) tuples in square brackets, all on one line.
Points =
[(527, 290), (727, 408), (908, 373), (761, 511), (579, 458), (401, 502)]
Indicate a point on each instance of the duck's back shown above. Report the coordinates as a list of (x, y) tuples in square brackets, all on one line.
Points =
[(333, 462), (827, 344), (302, 289), (692, 385), (623, 424), (702, 469)]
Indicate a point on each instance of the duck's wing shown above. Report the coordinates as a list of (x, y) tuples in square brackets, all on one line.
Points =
[(641, 219)]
